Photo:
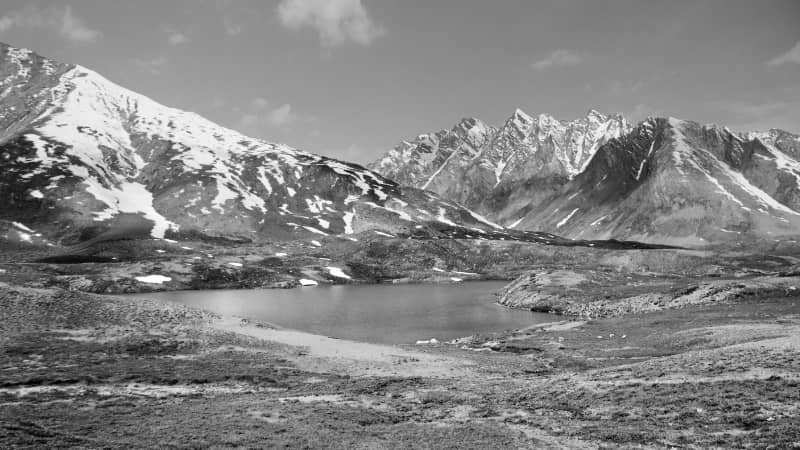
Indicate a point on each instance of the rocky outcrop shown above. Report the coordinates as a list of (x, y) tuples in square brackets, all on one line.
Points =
[(593, 294)]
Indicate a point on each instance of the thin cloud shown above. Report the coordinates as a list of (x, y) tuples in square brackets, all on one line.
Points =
[(259, 113), (152, 66), (58, 19), (281, 116), (627, 87), (176, 37), (642, 111), (6, 23), (762, 115), (231, 28), (790, 57), (559, 58), (355, 153), (336, 21)]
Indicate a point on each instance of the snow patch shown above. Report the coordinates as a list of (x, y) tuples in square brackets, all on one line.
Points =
[(566, 219), (348, 221), (153, 279), (337, 272), (443, 219), (516, 222), (314, 230), (129, 197), (22, 227), (403, 215), (597, 222), (484, 220)]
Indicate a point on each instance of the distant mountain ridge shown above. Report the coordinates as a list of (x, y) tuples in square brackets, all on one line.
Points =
[(664, 180), (471, 161), (83, 156)]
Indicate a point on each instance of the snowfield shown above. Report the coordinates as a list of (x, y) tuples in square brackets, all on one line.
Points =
[(153, 279)]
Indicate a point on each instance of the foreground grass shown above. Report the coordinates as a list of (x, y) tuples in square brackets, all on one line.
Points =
[(78, 370)]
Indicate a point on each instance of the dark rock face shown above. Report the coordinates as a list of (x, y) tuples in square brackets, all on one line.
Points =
[(83, 157), (479, 165), (665, 180), (679, 182)]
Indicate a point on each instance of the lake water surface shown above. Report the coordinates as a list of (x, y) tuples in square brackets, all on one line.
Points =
[(387, 314)]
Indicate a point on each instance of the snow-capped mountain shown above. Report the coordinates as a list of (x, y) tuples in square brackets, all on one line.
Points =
[(664, 181), (677, 182), (82, 156), (477, 164)]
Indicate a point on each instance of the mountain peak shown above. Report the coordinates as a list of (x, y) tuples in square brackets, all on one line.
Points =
[(84, 156), (522, 115), (523, 147), (544, 119), (594, 112)]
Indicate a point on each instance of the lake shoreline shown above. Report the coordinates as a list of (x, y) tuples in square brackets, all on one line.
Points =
[(382, 314)]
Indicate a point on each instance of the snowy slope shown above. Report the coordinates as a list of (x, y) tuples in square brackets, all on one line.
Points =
[(83, 156), (473, 163), (662, 181), (679, 182)]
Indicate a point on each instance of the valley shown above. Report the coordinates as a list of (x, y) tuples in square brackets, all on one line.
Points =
[(644, 348), (87, 370)]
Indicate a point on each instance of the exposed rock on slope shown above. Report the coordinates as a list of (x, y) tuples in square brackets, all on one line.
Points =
[(84, 157), (663, 181), (477, 165), (675, 181)]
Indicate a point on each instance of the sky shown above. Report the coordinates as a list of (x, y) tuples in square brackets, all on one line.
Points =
[(352, 78)]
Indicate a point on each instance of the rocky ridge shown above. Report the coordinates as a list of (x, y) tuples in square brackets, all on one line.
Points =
[(665, 180)]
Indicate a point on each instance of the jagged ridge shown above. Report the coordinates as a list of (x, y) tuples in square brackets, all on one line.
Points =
[(473, 163), (663, 181)]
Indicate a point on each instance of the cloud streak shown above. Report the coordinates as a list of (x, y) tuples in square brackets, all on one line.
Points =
[(790, 57), (259, 113), (58, 19), (152, 66), (559, 58), (763, 115), (231, 28), (336, 21), (175, 37)]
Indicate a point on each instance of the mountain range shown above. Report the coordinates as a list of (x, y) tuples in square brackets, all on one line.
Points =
[(84, 159), (663, 180)]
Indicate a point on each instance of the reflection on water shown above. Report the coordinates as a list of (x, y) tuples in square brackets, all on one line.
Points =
[(390, 314)]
